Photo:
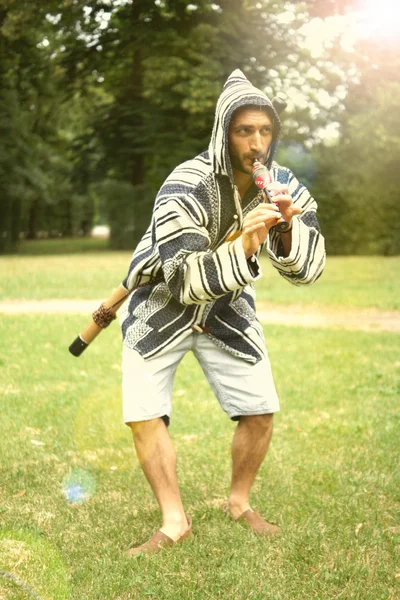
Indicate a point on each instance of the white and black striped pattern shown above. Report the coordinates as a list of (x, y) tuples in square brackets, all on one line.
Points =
[(196, 276), (306, 260), (237, 92)]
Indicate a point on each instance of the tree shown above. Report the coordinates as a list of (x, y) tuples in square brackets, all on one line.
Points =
[(162, 66), (19, 72), (36, 191), (100, 99), (358, 183)]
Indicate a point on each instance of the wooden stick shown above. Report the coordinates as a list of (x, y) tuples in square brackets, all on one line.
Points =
[(92, 330)]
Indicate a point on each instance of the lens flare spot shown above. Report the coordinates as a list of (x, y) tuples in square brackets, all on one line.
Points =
[(78, 486)]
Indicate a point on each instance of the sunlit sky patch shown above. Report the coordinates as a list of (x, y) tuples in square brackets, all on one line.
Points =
[(372, 19), (377, 20)]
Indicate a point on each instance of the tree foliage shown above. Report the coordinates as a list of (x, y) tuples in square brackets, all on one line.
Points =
[(36, 189), (100, 99), (358, 182)]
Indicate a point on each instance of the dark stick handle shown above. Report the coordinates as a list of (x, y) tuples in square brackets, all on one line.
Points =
[(282, 226), (92, 330), (78, 346)]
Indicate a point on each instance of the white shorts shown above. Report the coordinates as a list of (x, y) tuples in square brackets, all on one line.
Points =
[(242, 388)]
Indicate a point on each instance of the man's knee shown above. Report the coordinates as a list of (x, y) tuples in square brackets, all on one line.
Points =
[(260, 424), (142, 430)]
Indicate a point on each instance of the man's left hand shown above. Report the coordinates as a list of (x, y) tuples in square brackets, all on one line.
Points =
[(284, 201)]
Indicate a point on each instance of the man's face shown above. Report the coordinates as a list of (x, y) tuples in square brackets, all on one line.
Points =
[(250, 136)]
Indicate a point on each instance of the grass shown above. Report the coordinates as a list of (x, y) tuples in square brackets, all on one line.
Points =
[(72, 495), (347, 282), (51, 246), (330, 480)]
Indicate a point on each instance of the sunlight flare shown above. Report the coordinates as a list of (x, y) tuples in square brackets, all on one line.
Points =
[(379, 18)]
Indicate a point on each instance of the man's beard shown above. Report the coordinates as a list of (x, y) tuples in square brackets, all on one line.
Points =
[(243, 165)]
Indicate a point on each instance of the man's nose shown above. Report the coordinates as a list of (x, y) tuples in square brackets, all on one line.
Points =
[(256, 143)]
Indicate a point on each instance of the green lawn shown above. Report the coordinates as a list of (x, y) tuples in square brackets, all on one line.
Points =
[(350, 282), (50, 246), (331, 479)]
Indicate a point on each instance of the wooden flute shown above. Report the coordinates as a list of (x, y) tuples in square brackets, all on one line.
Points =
[(101, 319)]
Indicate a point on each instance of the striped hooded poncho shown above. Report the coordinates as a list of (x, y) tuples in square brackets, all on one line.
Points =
[(198, 278)]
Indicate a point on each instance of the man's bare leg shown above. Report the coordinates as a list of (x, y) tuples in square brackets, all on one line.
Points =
[(249, 448), (157, 456)]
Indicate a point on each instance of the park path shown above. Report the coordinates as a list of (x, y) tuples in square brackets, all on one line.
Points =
[(362, 319)]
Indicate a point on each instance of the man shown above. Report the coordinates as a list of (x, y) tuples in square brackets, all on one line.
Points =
[(197, 264)]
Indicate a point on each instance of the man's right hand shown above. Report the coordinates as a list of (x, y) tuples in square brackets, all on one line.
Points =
[(256, 226)]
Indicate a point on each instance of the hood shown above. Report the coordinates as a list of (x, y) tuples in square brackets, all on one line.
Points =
[(237, 92)]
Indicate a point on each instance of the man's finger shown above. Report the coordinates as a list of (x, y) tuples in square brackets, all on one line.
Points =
[(276, 188), (267, 216), (262, 208), (254, 228), (283, 199), (297, 210)]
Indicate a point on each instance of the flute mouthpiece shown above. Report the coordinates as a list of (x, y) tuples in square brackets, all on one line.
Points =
[(261, 176)]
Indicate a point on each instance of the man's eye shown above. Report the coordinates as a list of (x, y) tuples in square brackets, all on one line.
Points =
[(267, 130)]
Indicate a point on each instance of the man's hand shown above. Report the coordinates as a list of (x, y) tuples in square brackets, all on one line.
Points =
[(259, 221), (284, 201), (256, 226)]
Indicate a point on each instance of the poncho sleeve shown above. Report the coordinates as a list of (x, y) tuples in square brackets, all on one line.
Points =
[(194, 273), (306, 260)]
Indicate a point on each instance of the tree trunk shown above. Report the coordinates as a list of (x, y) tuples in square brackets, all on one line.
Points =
[(10, 223), (33, 220), (137, 173)]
